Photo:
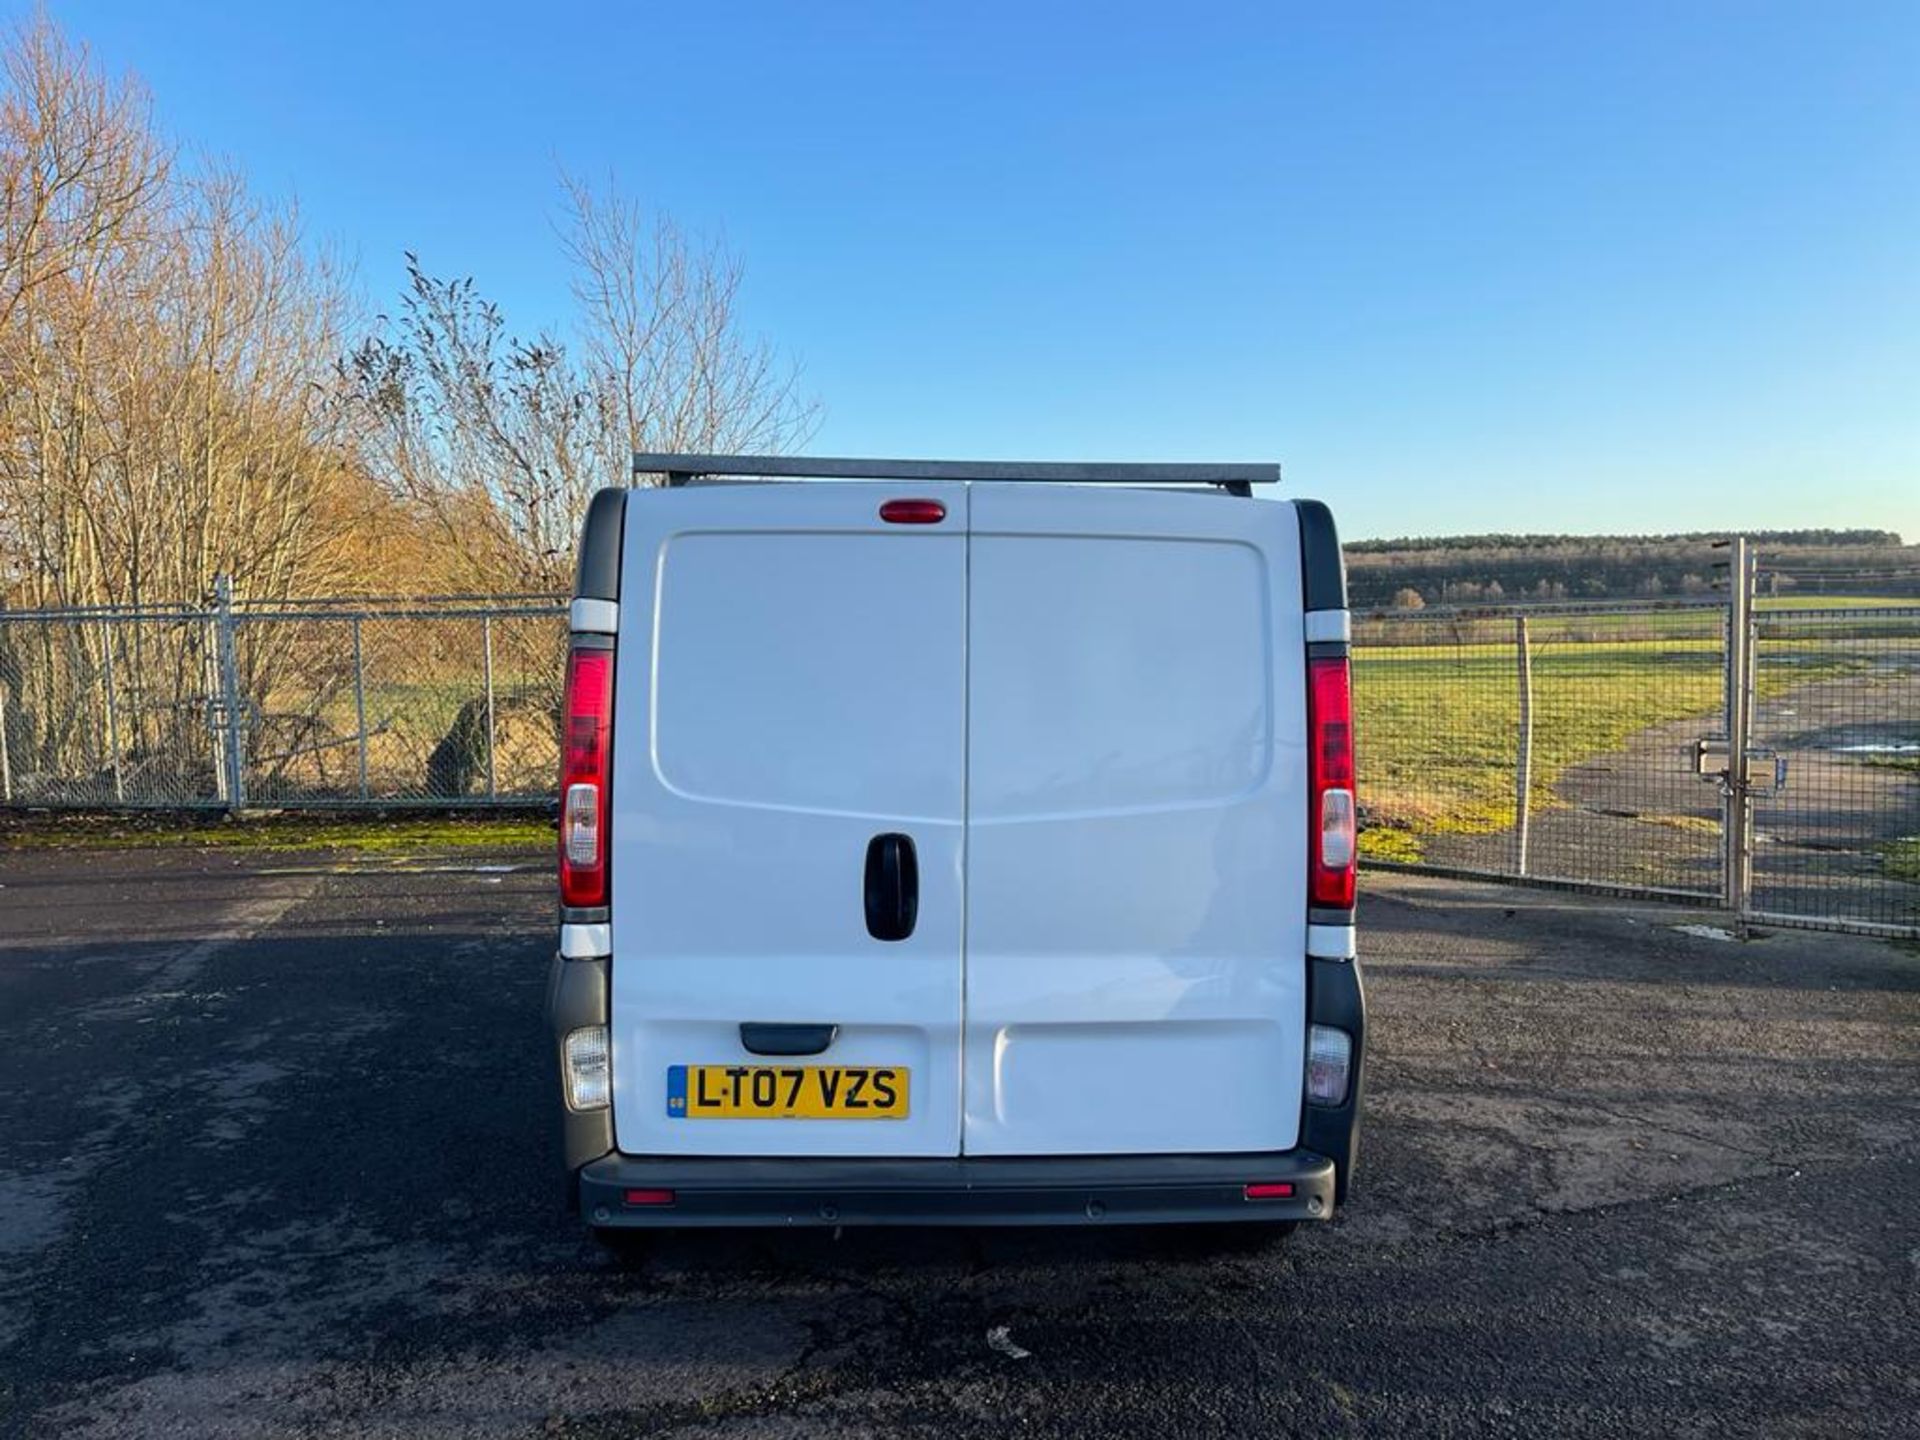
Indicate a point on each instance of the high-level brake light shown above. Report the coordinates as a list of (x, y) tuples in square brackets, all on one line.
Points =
[(1332, 839), (585, 745), (913, 512)]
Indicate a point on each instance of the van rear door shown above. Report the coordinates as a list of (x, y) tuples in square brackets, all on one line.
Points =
[(790, 702), (1136, 870)]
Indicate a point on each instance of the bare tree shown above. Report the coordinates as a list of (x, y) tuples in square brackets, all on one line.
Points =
[(502, 440), (80, 178), (491, 437), (668, 360), (164, 342), (167, 343)]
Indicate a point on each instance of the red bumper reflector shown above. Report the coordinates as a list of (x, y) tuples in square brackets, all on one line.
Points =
[(1270, 1190), (913, 512), (649, 1197)]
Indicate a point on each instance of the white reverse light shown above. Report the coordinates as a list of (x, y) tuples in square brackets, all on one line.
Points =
[(589, 1068), (1336, 829), (580, 822), (1329, 1063)]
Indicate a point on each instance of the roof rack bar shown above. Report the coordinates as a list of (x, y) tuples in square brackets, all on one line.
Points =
[(681, 468)]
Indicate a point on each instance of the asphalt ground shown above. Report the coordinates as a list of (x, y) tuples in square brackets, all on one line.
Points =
[(277, 1157)]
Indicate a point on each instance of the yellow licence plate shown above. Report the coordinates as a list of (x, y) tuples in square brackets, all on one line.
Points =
[(787, 1092)]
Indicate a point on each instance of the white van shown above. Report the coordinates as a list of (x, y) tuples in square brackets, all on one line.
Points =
[(956, 843)]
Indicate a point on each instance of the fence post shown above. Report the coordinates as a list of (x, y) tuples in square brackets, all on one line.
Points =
[(486, 632), (236, 747), (6, 758), (360, 703), (113, 715), (1523, 767), (216, 721), (1738, 838)]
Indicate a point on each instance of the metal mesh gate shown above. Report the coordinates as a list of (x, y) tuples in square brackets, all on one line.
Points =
[(106, 708), (1839, 706), (1555, 745), (1592, 746)]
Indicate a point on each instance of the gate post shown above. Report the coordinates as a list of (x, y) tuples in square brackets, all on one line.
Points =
[(1738, 838), (360, 702), (1523, 767), (236, 728), (486, 629), (113, 715)]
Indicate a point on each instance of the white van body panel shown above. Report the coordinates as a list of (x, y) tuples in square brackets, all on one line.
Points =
[(1136, 798), (1085, 706), (791, 682)]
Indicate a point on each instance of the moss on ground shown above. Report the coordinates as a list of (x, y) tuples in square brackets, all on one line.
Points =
[(1907, 764), (1391, 845), (1901, 858), (365, 834)]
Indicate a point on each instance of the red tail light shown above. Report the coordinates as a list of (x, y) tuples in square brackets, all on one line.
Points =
[(648, 1197), (1331, 839), (584, 754), (1269, 1190)]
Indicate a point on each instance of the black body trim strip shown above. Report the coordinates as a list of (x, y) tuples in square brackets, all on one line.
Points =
[(598, 575), (1323, 569)]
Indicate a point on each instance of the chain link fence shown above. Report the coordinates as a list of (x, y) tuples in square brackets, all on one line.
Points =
[(319, 704), (106, 708), (1569, 745)]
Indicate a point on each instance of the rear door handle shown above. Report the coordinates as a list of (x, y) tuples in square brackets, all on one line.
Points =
[(893, 887), (759, 1038)]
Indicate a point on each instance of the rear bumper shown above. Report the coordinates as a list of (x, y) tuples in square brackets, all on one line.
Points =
[(1073, 1190)]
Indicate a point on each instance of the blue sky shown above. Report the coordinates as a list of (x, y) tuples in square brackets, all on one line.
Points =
[(1608, 267)]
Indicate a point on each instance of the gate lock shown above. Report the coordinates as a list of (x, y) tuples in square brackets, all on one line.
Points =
[(1766, 770)]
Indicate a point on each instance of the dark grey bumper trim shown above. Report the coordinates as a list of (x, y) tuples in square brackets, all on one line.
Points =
[(577, 995), (1336, 997), (1074, 1190)]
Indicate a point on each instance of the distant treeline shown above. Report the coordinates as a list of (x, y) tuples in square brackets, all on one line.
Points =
[(1508, 569), (1822, 538)]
